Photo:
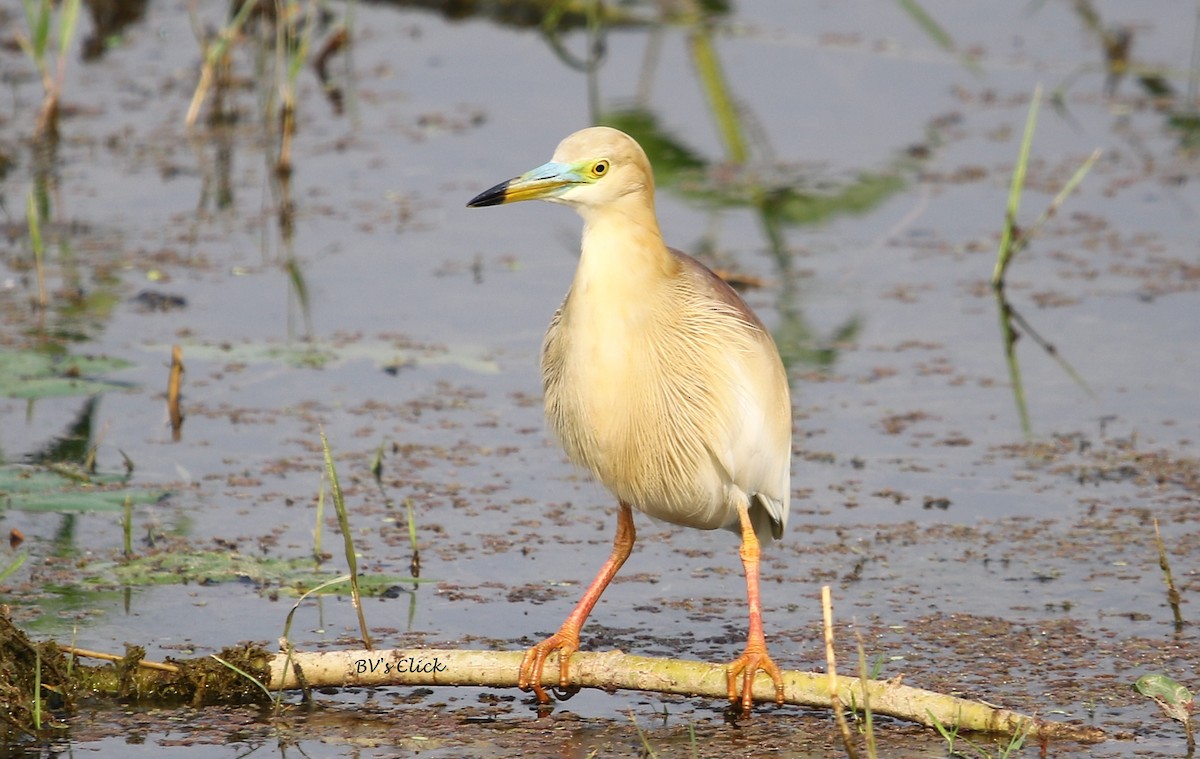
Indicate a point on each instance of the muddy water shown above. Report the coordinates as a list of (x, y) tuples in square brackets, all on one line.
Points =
[(973, 556)]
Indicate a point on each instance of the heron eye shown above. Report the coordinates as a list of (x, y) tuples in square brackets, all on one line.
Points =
[(600, 169)]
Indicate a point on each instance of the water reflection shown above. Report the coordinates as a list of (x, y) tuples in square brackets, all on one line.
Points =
[(746, 176), (782, 198), (279, 39), (1014, 239), (109, 21), (74, 444), (739, 179)]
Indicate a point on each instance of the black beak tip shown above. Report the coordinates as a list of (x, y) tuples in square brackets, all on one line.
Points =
[(490, 197)]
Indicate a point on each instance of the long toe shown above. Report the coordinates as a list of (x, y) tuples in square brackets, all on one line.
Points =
[(747, 666), (566, 642)]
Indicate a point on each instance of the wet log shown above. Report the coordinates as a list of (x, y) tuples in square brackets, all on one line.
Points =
[(252, 674), (614, 670)]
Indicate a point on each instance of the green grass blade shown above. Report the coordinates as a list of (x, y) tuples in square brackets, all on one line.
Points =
[(947, 734), (67, 20), (298, 53), (1016, 741), (412, 523), (244, 674), (1060, 198), (277, 699), (868, 715), (1008, 238), (30, 14), (34, 220), (71, 653), (127, 526), (300, 287), (931, 28), (377, 466), (37, 688), (37, 15), (287, 625), (339, 505), (319, 528), (214, 52), (228, 34), (647, 749), (13, 565), (708, 68), (937, 33)]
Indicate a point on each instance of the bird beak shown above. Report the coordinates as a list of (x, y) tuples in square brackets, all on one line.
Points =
[(545, 182)]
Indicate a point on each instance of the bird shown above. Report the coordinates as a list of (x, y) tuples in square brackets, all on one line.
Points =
[(660, 380)]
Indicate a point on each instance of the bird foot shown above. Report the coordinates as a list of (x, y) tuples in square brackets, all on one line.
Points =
[(753, 659), (565, 642)]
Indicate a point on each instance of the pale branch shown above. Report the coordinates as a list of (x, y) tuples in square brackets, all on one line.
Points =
[(247, 673), (614, 670)]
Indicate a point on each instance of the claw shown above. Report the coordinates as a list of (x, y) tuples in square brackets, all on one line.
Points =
[(747, 665), (755, 657), (566, 642)]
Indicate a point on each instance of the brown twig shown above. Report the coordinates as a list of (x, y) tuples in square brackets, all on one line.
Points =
[(144, 663), (173, 386), (1173, 597)]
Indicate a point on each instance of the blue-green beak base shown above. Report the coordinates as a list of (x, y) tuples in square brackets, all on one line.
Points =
[(546, 182)]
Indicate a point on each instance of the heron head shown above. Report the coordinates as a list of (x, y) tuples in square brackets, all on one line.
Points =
[(592, 168)]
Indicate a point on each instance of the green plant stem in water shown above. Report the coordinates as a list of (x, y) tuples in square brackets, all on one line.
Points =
[(213, 53), (868, 718), (127, 526), (1173, 597), (339, 505), (1013, 239), (709, 69), (243, 673), (34, 219), (37, 689), (937, 33), (415, 564), (319, 527), (647, 749), (1009, 235), (37, 18), (277, 698), (13, 565)]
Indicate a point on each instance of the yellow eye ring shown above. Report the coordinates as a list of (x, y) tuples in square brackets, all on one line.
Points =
[(600, 168)]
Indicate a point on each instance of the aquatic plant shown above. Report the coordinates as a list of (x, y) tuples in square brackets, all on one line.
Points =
[(37, 44)]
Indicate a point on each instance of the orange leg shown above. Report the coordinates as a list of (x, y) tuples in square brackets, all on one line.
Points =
[(755, 657), (566, 640)]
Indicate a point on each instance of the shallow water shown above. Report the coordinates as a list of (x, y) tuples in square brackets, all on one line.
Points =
[(972, 558)]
